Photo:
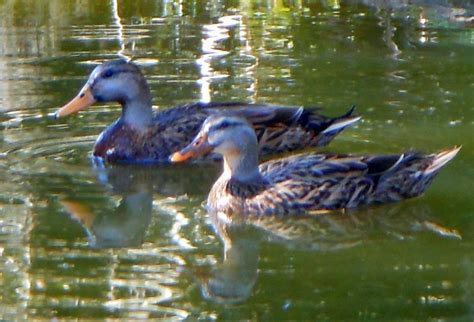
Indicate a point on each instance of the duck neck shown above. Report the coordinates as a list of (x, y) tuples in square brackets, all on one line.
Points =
[(242, 167), (137, 111)]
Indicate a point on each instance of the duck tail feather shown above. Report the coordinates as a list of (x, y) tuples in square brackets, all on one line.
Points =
[(441, 159), (338, 124), (411, 176)]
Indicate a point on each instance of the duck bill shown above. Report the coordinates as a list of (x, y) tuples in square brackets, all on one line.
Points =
[(79, 212), (83, 100), (196, 149)]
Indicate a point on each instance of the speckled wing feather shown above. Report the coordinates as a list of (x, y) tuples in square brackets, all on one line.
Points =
[(305, 182), (285, 129)]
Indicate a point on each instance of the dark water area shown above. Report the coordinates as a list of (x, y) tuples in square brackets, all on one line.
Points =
[(79, 241)]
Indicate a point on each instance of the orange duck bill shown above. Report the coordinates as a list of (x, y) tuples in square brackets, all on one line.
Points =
[(83, 100), (194, 150)]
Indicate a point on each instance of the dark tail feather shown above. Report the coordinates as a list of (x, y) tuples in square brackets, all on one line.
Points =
[(349, 113), (411, 175), (326, 128), (340, 123)]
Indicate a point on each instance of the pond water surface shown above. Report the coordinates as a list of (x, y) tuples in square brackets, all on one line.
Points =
[(78, 241)]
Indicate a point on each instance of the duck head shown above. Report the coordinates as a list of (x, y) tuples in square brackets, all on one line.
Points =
[(114, 81), (230, 136)]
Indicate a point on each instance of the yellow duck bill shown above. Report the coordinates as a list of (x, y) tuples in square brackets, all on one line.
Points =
[(83, 100)]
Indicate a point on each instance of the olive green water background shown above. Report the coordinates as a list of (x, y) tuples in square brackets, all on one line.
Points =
[(77, 241)]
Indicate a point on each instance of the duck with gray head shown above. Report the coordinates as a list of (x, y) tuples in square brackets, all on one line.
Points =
[(141, 136), (305, 182)]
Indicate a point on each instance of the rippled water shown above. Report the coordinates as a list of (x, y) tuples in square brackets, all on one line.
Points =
[(81, 241)]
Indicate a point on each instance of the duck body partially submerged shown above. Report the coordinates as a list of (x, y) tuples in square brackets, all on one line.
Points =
[(305, 182), (142, 136)]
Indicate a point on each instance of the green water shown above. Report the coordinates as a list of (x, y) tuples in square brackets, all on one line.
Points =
[(134, 243)]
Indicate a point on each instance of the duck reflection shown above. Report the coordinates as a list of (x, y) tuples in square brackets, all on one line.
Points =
[(233, 280), (123, 226), (120, 217)]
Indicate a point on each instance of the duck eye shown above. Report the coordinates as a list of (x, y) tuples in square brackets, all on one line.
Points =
[(197, 142), (224, 125), (107, 74)]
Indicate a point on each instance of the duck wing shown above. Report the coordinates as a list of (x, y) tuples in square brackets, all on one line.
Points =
[(313, 182), (308, 167), (324, 182), (284, 129)]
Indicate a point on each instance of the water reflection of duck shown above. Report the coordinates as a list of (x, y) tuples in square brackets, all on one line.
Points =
[(138, 136), (124, 226), (120, 215), (116, 224), (233, 280), (304, 182)]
